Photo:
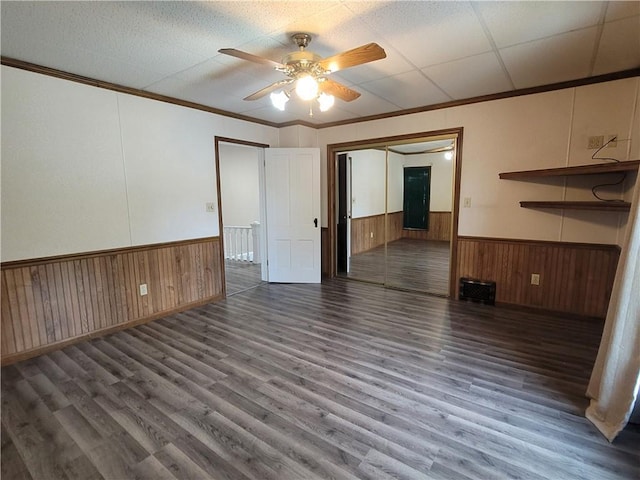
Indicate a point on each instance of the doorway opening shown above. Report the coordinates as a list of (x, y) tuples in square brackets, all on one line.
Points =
[(240, 184), (369, 207)]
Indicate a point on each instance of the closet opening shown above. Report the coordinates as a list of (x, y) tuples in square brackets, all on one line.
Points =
[(394, 209)]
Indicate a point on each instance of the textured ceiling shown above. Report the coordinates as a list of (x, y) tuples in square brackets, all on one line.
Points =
[(436, 51)]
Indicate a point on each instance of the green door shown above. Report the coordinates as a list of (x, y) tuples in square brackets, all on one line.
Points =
[(417, 189)]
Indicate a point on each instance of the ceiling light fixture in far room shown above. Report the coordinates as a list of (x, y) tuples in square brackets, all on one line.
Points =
[(448, 155)]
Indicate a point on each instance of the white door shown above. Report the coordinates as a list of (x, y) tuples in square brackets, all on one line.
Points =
[(293, 214)]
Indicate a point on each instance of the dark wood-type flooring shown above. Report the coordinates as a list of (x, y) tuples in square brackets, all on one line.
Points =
[(241, 275), (412, 264), (344, 380)]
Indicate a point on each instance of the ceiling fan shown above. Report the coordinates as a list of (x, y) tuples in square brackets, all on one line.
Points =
[(309, 72)]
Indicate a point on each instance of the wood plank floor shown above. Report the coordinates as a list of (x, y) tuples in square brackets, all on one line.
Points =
[(412, 264), (241, 276), (343, 380)]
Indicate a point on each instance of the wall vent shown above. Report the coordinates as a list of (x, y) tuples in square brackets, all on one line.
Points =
[(477, 291)]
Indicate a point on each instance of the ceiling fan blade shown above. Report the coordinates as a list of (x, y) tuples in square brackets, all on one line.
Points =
[(271, 88), (351, 58), (252, 58), (338, 90)]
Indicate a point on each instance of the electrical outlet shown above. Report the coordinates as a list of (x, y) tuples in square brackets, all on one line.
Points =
[(143, 289), (595, 142), (467, 202), (535, 279), (211, 207), (611, 143)]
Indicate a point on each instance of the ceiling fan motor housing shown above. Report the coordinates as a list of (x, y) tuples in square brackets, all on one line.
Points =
[(303, 62)]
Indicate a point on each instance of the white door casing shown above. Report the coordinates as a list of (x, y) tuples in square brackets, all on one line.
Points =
[(292, 178)]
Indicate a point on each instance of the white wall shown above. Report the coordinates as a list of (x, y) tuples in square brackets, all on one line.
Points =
[(367, 182), (441, 178), (298, 136), (534, 131), (87, 169), (170, 171), (239, 184), (395, 183), (63, 179)]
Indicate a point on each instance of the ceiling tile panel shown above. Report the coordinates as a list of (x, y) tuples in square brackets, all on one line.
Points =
[(511, 23), (618, 10), (406, 90), (172, 47), (619, 47), (89, 43), (327, 31), (470, 77), (197, 27), (426, 33), (328, 38), (550, 60), (371, 105), (270, 114), (209, 82), (268, 17), (75, 59), (299, 111), (336, 114)]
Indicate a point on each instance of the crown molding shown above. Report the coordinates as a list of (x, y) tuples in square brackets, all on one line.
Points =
[(32, 67), (52, 72), (608, 77)]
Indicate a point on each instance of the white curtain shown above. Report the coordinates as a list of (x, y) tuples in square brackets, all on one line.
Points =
[(615, 379)]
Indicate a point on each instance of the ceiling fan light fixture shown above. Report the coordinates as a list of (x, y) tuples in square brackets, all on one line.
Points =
[(279, 100), (307, 70), (326, 101), (307, 87)]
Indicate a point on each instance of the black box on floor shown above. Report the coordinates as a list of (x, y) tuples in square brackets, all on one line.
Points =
[(477, 291)]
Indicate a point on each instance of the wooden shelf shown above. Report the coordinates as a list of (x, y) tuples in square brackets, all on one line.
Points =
[(606, 206), (598, 168)]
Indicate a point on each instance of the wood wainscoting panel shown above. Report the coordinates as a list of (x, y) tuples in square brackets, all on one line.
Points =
[(366, 233), (395, 221), (361, 229), (439, 228), (51, 301), (574, 278)]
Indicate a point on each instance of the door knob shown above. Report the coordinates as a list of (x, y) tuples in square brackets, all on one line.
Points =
[(315, 222)]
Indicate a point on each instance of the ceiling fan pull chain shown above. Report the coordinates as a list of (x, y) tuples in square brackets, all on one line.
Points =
[(311, 110)]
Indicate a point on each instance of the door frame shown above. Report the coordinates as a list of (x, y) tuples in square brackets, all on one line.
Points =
[(335, 148), (216, 148), (344, 192)]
